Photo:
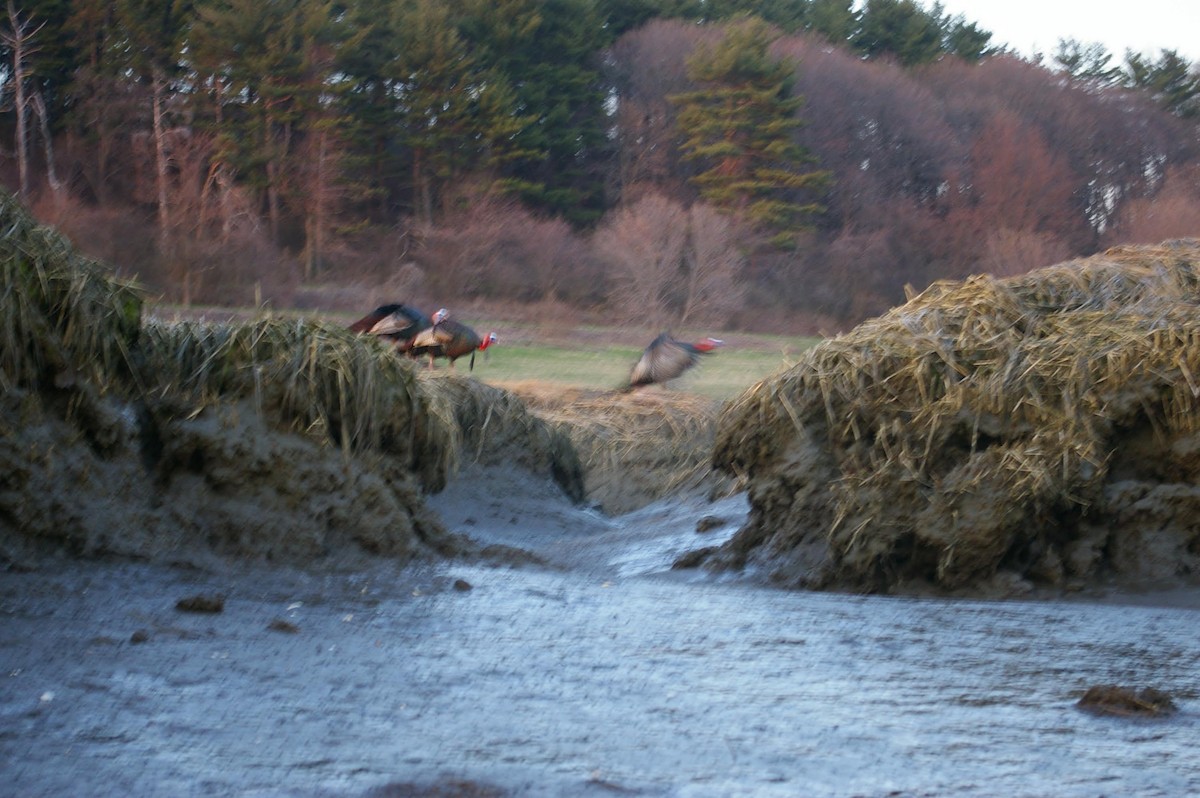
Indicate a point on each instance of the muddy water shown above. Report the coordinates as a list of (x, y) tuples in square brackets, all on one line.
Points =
[(616, 678)]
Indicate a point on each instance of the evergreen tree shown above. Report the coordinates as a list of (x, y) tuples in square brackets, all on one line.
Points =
[(835, 20), (621, 16), (149, 46), (456, 112), (901, 29), (1090, 64), (547, 51), (965, 39), (739, 128), (53, 66), (370, 108), (787, 15), (100, 105), (267, 66), (1170, 80)]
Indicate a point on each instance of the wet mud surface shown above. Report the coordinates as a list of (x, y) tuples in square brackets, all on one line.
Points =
[(598, 672)]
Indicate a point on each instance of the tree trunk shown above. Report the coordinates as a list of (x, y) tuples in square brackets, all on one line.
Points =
[(161, 163), (424, 197), (22, 126), (18, 38), (315, 224), (277, 157), (56, 185)]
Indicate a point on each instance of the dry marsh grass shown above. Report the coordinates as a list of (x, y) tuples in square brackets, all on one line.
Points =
[(62, 316), (634, 447), (66, 325), (317, 379), (1010, 389)]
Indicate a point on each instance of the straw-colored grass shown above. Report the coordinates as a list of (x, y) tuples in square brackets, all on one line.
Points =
[(1010, 389), (634, 448), (492, 426), (68, 327), (316, 379), (63, 317)]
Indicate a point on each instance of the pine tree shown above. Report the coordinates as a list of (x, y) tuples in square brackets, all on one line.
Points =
[(901, 29), (739, 128), (369, 105), (456, 112), (268, 67), (965, 39), (1170, 80), (56, 57), (151, 43), (1090, 64), (546, 50), (835, 20)]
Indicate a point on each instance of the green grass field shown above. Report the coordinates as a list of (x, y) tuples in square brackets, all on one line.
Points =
[(722, 375), (577, 357)]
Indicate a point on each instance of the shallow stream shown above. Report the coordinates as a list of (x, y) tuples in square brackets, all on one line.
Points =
[(617, 678)]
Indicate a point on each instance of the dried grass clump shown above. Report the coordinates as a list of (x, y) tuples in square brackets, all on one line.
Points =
[(311, 377), (492, 426), (933, 441), (634, 448), (63, 317)]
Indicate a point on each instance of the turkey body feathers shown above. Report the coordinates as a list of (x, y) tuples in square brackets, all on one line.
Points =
[(398, 323), (449, 339), (667, 358)]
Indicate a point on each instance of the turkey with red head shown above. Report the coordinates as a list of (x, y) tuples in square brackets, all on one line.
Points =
[(449, 339), (666, 358)]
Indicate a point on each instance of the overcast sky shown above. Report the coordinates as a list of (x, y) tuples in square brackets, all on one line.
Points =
[(1031, 26)]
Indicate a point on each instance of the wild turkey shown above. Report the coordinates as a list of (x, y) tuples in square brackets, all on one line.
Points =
[(666, 358), (397, 323), (449, 339)]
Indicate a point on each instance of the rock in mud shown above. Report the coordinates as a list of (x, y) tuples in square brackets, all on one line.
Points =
[(1109, 699), (202, 603)]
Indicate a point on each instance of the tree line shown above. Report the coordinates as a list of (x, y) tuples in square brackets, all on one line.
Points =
[(786, 164)]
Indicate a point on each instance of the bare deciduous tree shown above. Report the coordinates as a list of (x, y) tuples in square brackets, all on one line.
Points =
[(713, 264), (19, 38), (1174, 212), (643, 244), (492, 246), (1017, 181), (649, 65), (669, 265), (1009, 252)]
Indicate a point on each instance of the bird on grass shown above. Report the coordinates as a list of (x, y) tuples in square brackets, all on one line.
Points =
[(666, 358), (397, 323), (449, 339)]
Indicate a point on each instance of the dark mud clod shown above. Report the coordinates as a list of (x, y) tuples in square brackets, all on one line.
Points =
[(280, 625), (1109, 699), (693, 559), (462, 585), (454, 788), (708, 523), (140, 636), (201, 603)]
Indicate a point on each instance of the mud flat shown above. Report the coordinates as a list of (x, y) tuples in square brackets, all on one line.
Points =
[(597, 670)]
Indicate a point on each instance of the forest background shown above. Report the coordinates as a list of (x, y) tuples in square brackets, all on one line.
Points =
[(776, 166)]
